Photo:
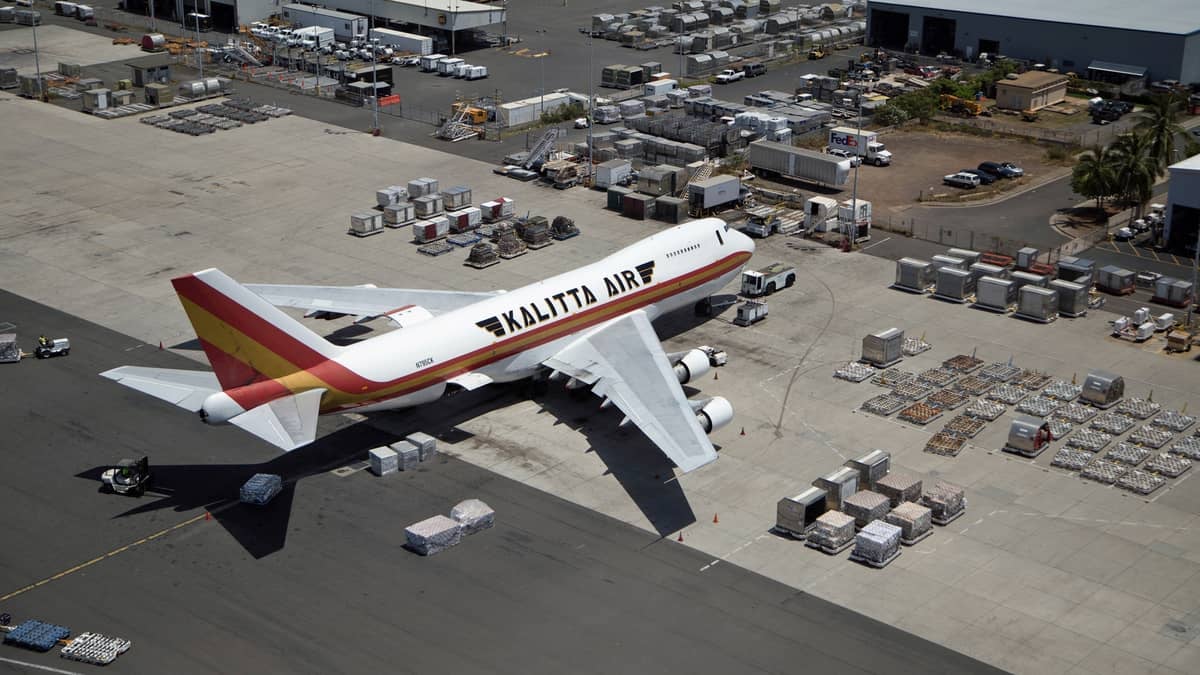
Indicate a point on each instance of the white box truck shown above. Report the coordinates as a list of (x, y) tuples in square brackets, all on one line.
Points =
[(346, 27), (865, 144), (409, 43), (313, 38)]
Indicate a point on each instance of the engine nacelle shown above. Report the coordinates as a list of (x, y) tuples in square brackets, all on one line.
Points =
[(715, 414), (693, 365)]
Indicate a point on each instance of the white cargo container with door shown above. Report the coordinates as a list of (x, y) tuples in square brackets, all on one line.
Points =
[(429, 62), (448, 66), (314, 37), (658, 87), (476, 73), (421, 45)]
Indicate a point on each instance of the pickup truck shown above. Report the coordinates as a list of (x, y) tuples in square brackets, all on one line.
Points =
[(961, 180), (728, 75)]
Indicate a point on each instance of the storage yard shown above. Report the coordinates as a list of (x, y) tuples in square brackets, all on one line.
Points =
[(957, 462)]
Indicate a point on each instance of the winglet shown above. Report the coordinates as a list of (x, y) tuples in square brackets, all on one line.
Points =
[(289, 422)]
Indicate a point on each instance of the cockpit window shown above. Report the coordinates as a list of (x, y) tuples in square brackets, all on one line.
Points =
[(719, 237)]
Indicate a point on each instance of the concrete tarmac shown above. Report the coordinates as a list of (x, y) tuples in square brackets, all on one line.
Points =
[(318, 580)]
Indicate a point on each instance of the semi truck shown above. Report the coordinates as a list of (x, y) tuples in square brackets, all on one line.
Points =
[(791, 162), (865, 144), (346, 27), (421, 45)]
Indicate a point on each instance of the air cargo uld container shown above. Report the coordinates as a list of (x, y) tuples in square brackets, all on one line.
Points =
[(1072, 297), (366, 223), (428, 205), (980, 269), (612, 172), (1115, 280), (456, 197), (463, 220), (954, 284), (884, 348), (1103, 389), (1037, 304), (637, 206), (432, 229), (967, 256), (997, 295), (838, 485), (871, 467), (399, 214), (1022, 279), (1078, 270), (429, 62), (939, 261), (914, 275), (421, 45), (714, 192), (419, 187), (1172, 291), (616, 197), (795, 516)]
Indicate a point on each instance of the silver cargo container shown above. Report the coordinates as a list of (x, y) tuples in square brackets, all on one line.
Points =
[(428, 205), (792, 162), (884, 348), (420, 187), (395, 215), (914, 275), (954, 284), (1172, 291), (838, 485), (1078, 270), (716, 191), (1026, 257), (1103, 389), (1037, 304), (365, 223), (796, 515), (612, 172), (1072, 297), (940, 261), (870, 467), (1022, 279), (985, 270), (967, 256), (997, 295), (1116, 280)]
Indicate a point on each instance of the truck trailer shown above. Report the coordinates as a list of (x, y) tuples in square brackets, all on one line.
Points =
[(345, 26), (792, 162), (865, 144), (420, 45), (314, 37)]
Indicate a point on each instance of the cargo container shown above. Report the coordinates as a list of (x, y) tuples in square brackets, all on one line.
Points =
[(980, 269), (419, 187), (616, 197), (1079, 270), (795, 516), (462, 220), (715, 192), (399, 214), (366, 223), (428, 205), (673, 210), (429, 62), (420, 45), (314, 37), (996, 295), (798, 163), (446, 67), (475, 73), (939, 261), (838, 485), (7, 14), (1037, 304), (1026, 257), (656, 180), (27, 17), (393, 194), (431, 229), (637, 206), (968, 256), (496, 209), (64, 8), (1021, 279), (955, 285), (659, 87), (96, 99), (1172, 291), (612, 172), (1115, 280), (884, 348), (456, 197), (1103, 389), (346, 27), (915, 275), (1072, 297), (820, 213), (8, 78)]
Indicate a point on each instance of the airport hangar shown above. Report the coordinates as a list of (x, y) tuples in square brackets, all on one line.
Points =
[(1109, 40), (423, 16)]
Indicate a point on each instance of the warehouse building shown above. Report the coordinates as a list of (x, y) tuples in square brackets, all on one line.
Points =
[(1099, 39), (1031, 91), (1183, 205)]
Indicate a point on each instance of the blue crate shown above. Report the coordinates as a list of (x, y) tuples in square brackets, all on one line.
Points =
[(37, 635)]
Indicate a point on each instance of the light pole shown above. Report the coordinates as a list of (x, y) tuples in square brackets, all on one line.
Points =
[(37, 64), (374, 68), (199, 55), (542, 63), (854, 192), (591, 107)]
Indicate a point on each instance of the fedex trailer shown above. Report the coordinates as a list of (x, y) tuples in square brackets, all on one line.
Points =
[(862, 143)]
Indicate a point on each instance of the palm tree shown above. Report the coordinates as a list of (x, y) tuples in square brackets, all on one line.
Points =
[(1159, 121), (1094, 175), (1134, 167)]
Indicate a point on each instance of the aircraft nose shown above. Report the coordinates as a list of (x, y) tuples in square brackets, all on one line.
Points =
[(742, 241)]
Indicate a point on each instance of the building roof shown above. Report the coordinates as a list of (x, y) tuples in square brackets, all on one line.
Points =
[(1174, 17), (1118, 68), (1190, 164), (1034, 79)]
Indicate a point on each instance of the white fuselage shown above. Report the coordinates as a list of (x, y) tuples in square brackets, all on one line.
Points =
[(507, 337)]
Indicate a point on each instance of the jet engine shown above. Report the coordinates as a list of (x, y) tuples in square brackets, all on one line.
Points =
[(714, 413), (691, 365)]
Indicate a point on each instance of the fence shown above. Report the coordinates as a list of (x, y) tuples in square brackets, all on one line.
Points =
[(966, 238), (1095, 135)]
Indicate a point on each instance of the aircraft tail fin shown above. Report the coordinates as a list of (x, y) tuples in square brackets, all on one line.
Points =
[(246, 338)]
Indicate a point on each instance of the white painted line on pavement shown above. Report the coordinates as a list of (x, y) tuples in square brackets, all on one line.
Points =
[(875, 244), (39, 666)]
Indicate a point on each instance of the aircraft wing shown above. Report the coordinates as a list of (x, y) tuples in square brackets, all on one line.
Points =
[(624, 361), (401, 305), (184, 388)]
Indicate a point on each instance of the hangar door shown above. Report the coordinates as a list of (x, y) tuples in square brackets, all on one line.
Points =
[(937, 35), (889, 29)]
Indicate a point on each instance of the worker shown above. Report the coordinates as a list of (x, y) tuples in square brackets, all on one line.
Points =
[(43, 341)]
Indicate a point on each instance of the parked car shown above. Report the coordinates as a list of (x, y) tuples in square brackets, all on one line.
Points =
[(581, 123), (407, 61), (1124, 234), (855, 160), (1002, 169), (967, 181), (984, 177), (754, 69)]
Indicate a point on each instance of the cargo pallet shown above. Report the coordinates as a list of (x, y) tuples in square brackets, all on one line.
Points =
[(396, 226), (363, 234), (910, 289), (942, 522), (435, 248), (1035, 318), (920, 537), (829, 550), (992, 308), (959, 300), (880, 564), (1025, 453), (481, 265)]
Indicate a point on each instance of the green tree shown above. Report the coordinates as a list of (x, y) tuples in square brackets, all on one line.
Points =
[(1134, 167), (1094, 177), (890, 115), (1159, 120)]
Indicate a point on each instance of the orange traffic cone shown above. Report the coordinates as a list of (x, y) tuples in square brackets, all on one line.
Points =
[(160, 344), (716, 519), (716, 375), (743, 432), (680, 537), (207, 515)]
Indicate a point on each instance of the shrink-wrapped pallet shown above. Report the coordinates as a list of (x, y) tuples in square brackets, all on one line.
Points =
[(433, 535), (832, 530), (407, 455), (383, 461), (474, 515), (866, 506), (877, 543), (425, 443), (899, 487), (913, 520), (945, 500)]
